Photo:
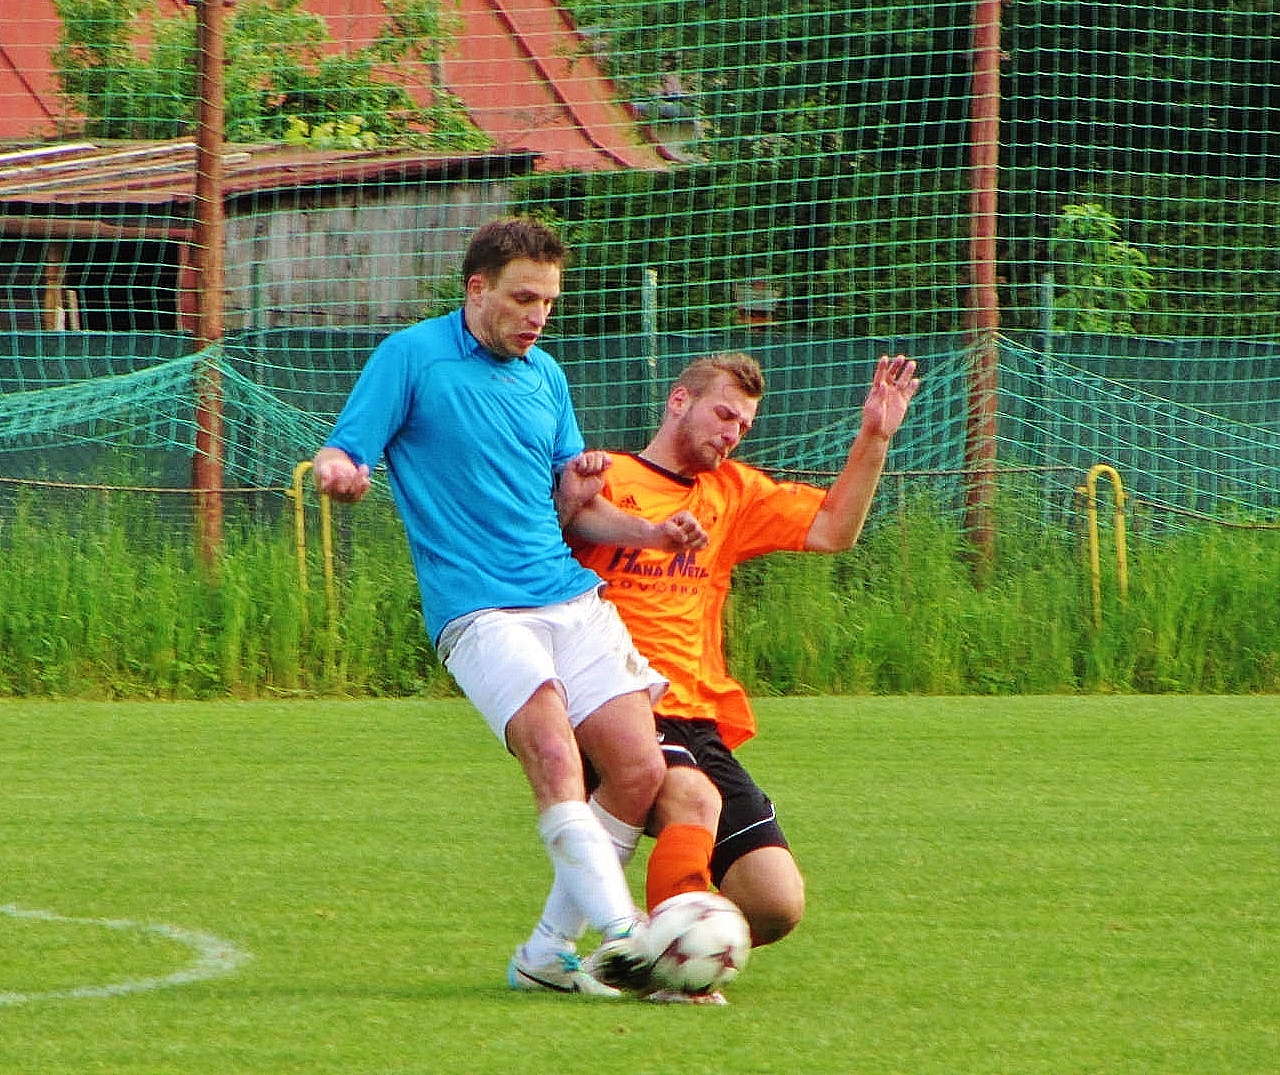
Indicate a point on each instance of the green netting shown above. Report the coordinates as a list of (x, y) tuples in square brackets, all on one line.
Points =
[(49, 433), (797, 178)]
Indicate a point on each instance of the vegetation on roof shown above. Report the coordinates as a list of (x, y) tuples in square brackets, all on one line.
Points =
[(131, 71)]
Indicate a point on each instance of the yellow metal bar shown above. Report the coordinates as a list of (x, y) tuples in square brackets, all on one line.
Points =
[(326, 546), (326, 543), (300, 525), (1090, 491)]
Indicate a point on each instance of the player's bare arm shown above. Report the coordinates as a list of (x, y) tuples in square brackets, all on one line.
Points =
[(337, 476), (588, 517), (599, 522), (840, 520)]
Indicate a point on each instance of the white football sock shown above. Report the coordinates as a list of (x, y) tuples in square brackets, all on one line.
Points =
[(626, 838), (589, 887)]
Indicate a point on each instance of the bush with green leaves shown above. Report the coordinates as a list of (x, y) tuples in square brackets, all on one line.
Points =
[(131, 72), (1102, 279)]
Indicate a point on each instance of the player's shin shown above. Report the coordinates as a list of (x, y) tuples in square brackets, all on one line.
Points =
[(680, 862)]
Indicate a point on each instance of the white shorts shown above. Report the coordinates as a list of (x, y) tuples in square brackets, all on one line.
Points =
[(581, 646)]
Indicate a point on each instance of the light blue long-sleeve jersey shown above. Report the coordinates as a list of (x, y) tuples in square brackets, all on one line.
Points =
[(472, 445)]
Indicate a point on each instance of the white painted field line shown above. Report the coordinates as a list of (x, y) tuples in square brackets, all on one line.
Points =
[(215, 958)]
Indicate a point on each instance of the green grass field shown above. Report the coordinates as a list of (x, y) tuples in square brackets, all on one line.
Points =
[(997, 885)]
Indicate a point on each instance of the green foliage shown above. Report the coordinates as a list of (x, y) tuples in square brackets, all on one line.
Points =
[(107, 611), (1207, 243), (843, 132), (347, 133), (1201, 616), (823, 147), (774, 81), (1103, 278), (1211, 244), (110, 612), (846, 254), (901, 613), (795, 168), (132, 73)]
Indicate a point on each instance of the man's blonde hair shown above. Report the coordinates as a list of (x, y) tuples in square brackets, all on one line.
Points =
[(699, 374)]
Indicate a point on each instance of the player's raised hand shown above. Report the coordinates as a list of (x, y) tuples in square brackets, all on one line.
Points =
[(892, 386)]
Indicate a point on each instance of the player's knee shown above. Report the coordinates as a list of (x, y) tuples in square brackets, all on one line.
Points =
[(772, 921), (635, 783), (687, 797), (650, 773), (550, 760), (769, 890)]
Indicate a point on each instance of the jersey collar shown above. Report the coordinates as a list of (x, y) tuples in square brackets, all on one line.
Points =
[(683, 479)]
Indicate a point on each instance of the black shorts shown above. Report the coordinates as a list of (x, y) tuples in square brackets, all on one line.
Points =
[(747, 818)]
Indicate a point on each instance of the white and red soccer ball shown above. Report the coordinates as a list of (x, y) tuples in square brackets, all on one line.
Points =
[(699, 942)]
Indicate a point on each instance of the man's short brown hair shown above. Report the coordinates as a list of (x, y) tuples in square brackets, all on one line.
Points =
[(500, 242)]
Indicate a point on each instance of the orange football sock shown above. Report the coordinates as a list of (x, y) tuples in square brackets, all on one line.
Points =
[(679, 862)]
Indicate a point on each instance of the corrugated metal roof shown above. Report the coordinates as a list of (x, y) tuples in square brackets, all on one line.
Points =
[(164, 173)]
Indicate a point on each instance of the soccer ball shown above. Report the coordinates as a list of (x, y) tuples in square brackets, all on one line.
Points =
[(698, 942)]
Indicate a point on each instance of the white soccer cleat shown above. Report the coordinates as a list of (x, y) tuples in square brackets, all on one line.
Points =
[(564, 974), (623, 960)]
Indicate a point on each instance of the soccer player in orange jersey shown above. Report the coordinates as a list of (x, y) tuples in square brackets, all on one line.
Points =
[(713, 824)]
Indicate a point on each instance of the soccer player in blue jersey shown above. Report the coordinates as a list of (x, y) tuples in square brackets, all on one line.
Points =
[(476, 427)]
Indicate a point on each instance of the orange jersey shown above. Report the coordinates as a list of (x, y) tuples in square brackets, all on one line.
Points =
[(673, 603)]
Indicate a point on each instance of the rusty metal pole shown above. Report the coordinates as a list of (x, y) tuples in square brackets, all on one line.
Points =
[(980, 435), (207, 462)]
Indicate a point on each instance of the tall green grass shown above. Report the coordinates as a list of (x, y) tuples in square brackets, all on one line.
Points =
[(101, 605), (902, 613), (100, 602)]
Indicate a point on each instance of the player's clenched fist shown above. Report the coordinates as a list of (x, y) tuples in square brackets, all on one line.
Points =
[(337, 476), (684, 532)]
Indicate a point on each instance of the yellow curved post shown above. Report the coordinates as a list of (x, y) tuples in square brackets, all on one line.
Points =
[(300, 525), (326, 542), (326, 548), (1090, 491)]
